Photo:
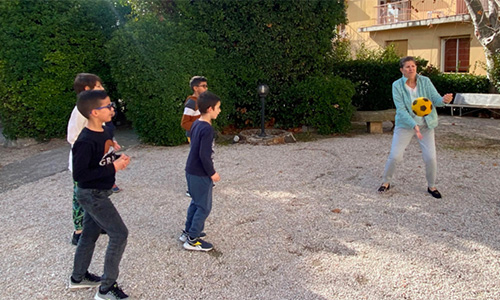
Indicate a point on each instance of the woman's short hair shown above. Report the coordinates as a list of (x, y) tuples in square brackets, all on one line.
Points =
[(405, 59)]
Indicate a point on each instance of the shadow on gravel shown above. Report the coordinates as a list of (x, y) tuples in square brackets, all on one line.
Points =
[(48, 163)]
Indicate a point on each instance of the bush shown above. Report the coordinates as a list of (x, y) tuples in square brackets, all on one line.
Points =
[(152, 62), (279, 43), (456, 82), (373, 82), (44, 45), (373, 73), (324, 103)]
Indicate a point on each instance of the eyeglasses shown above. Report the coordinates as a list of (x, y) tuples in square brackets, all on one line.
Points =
[(203, 85), (109, 106)]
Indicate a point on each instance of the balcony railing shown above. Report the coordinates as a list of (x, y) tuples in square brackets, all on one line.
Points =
[(391, 12)]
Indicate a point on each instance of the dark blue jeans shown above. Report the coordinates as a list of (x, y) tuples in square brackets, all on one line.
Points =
[(99, 213), (200, 189)]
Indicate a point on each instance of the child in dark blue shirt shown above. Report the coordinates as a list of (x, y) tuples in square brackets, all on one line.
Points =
[(200, 173)]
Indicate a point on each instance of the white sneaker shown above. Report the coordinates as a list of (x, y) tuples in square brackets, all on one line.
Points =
[(184, 236)]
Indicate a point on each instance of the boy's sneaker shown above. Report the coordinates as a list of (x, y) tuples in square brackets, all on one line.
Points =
[(184, 236), (114, 293), (197, 244), (115, 189), (75, 237), (89, 280), (188, 194)]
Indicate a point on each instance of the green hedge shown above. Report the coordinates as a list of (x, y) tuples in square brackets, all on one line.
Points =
[(457, 82), (152, 62), (44, 45), (279, 43), (373, 80), (325, 104)]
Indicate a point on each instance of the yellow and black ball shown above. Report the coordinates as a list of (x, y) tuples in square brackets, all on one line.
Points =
[(421, 106)]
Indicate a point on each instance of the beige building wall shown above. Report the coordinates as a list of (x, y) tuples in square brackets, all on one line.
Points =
[(423, 41)]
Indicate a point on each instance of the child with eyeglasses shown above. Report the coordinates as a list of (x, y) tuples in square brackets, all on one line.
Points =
[(83, 82), (191, 113), (95, 164)]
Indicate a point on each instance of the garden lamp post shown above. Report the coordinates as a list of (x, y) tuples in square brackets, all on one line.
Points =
[(263, 90)]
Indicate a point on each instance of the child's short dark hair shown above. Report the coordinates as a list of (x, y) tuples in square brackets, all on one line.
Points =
[(207, 99), (85, 79), (196, 80), (89, 100)]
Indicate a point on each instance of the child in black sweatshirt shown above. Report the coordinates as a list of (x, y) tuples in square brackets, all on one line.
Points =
[(94, 166)]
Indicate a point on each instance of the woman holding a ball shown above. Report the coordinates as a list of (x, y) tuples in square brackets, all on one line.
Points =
[(404, 91)]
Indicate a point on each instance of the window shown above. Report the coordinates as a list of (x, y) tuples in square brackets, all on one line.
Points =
[(455, 54), (401, 47)]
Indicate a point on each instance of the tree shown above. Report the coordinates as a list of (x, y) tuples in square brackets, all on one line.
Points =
[(487, 30), (236, 45), (44, 45), (280, 43)]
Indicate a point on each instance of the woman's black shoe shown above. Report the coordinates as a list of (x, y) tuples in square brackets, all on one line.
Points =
[(383, 188), (434, 193)]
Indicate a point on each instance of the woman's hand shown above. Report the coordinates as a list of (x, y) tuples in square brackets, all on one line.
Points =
[(447, 98), (417, 132)]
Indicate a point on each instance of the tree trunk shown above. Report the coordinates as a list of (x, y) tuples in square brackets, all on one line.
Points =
[(487, 30)]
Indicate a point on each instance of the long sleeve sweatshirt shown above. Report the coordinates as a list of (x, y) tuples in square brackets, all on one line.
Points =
[(93, 157), (200, 158), (403, 100)]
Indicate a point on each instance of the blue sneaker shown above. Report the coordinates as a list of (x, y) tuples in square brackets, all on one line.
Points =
[(115, 189), (197, 244)]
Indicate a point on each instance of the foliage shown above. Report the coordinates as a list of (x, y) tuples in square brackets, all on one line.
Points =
[(279, 43), (324, 103), (387, 54), (373, 80), (44, 45), (456, 82), (151, 7), (157, 48), (152, 62), (373, 73), (495, 72), (341, 50)]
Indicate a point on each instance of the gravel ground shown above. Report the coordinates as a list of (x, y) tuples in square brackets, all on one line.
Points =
[(294, 221)]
